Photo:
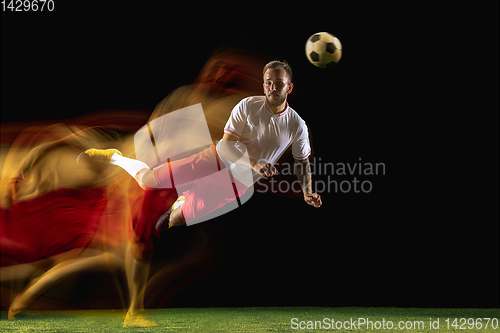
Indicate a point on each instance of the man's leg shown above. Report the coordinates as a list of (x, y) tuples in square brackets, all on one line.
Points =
[(179, 172), (137, 264), (140, 252), (139, 170)]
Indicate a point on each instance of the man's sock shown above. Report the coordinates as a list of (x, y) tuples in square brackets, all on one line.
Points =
[(130, 165)]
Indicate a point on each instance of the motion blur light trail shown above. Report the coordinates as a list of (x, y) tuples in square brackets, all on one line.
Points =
[(60, 218)]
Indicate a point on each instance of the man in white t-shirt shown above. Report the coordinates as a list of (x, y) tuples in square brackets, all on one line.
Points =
[(260, 128), (264, 134), (267, 126)]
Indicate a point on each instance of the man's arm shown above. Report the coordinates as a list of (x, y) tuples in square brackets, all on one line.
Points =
[(231, 153), (303, 172)]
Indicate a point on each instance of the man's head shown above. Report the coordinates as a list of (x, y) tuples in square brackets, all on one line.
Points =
[(277, 82)]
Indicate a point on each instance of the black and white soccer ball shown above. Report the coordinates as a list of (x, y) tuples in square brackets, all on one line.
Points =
[(323, 49)]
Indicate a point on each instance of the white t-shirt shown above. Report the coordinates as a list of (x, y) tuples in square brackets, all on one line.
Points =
[(264, 135)]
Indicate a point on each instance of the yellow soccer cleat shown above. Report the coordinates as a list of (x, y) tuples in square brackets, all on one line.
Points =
[(99, 155)]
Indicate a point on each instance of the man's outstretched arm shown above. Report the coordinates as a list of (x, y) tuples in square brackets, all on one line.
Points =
[(303, 172)]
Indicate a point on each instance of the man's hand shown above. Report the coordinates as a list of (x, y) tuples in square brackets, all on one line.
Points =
[(313, 199), (264, 169)]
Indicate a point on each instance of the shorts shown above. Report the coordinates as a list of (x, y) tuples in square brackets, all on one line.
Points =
[(203, 180)]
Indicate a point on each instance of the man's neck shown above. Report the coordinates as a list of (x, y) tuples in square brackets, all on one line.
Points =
[(278, 109)]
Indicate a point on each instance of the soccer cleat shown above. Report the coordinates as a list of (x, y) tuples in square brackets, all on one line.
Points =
[(166, 217), (99, 155)]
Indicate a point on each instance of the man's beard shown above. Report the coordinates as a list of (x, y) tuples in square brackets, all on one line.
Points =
[(276, 101)]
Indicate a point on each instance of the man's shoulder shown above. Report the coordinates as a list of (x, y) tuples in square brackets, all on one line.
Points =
[(294, 116)]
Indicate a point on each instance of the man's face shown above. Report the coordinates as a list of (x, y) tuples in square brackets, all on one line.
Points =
[(276, 86)]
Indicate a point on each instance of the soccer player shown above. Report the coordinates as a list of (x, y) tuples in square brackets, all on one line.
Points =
[(265, 125), (259, 127)]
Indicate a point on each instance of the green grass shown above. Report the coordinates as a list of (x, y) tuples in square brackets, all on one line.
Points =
[(241, 319)]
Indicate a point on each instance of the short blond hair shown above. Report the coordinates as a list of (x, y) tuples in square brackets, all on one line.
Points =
[(276, 64)]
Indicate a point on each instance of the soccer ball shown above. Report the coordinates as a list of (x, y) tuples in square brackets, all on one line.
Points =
[(323, 49)]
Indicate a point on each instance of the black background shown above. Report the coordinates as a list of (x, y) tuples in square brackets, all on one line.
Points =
[(416, 89)]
